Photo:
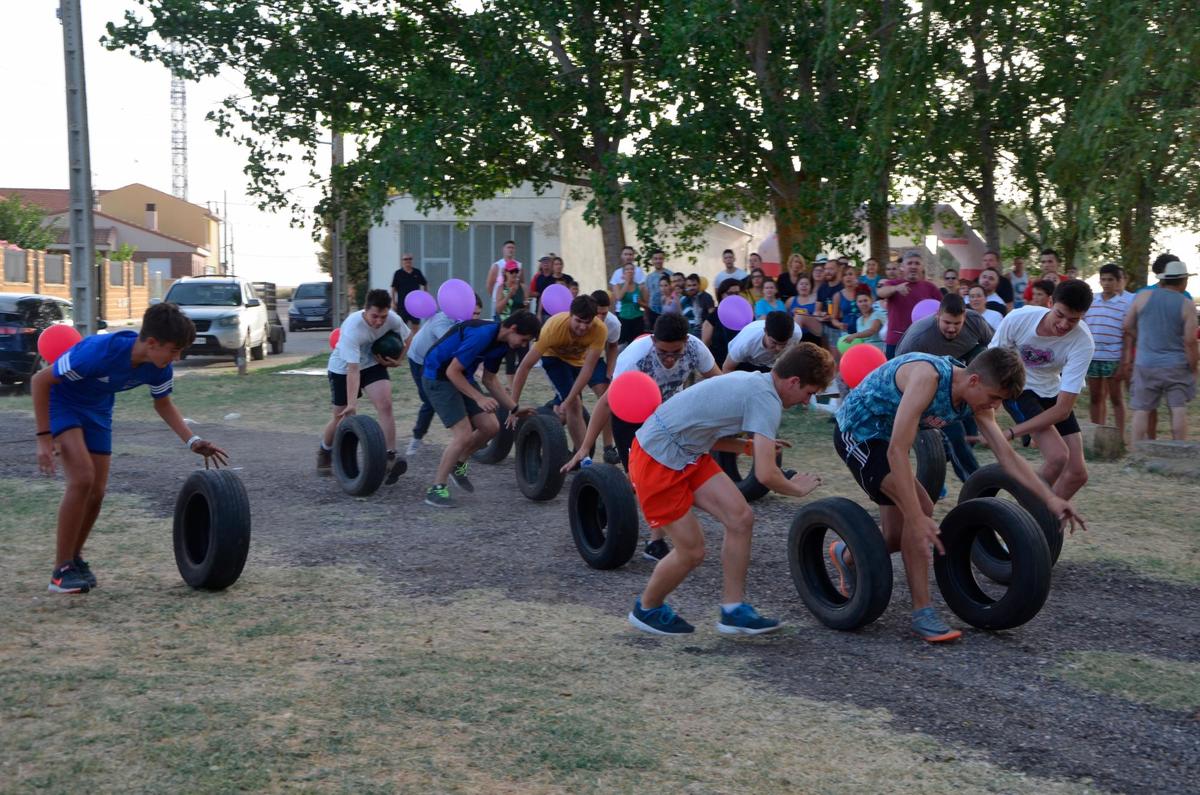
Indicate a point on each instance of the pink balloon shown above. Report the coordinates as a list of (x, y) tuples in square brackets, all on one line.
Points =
[(556, 298), (421, 305), (735, 312), (925, 308), (457, 299)]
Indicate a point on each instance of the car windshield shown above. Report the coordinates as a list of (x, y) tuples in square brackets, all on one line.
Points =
[(193, 294), (315, 290)]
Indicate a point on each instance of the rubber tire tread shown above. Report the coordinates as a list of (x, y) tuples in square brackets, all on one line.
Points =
[(748, 485), (872, 571), (593, 487), (220, 494), (499, 446), (1030, 583), (931, 462), (549, 433), (989, 557), (354, 431)]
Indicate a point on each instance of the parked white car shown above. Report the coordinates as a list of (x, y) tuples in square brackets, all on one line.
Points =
[(230, 319)]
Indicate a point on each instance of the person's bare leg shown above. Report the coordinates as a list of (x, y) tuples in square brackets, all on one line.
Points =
[(100, 465), (380, 395), (1075, 474), (720, 498), (460, 436), (1152, 424), (914, 551), (687, 541), (1116, 396), (485, 427), (331, 427), (1096, 405), (1141, 419), (576, 427), (606, 433), (79, 472), (1055, 454), (1179, 423)]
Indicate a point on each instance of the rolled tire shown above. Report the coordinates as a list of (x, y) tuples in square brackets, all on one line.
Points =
[(870, 578), (931, 462), (547, 410), (212, 529), (541, 450), (989, 556), (498, 447), (748, 485), (277, 344), (604, 516), (1029, 561), (359, 475)]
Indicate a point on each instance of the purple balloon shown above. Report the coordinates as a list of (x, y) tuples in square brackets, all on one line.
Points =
[(457, 299), (735, 312), (925, 308), (556, 298), (421, 305)]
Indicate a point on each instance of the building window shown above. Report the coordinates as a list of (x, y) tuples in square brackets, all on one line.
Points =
[(447, 251), (116, 273), (139, 273), (54, 270), (15, 266)]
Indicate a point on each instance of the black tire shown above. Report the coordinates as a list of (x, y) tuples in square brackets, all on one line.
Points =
[(748, 485), (212, 529), (259, 351), (359, 477), (871, 588), (988, 555), (541, 450), (277, 343), (547, 410), (291, 326), (931, 462), (498, 447), (1030, 563), (604, 516)]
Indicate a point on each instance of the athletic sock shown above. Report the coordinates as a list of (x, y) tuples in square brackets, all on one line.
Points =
[(325, 447), (728, 607)]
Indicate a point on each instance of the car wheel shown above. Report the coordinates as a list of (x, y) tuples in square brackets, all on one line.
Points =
[(259, 351), (291, 326)]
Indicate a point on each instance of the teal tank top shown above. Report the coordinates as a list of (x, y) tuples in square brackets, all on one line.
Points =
[(867, 412)]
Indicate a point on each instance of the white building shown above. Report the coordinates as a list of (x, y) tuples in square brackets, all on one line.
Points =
[(446, 246)]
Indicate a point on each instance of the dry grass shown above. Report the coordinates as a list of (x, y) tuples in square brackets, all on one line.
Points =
[(1168, 684), (326, 679)]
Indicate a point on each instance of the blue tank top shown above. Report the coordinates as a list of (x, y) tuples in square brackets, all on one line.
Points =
[(867, 412)]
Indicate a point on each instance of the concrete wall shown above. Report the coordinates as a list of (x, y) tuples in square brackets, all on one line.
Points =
[(121, 298)]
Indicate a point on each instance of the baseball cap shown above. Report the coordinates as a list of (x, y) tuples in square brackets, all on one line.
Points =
[(1173, 270), (512, 265), (546, 258), (821, 260)]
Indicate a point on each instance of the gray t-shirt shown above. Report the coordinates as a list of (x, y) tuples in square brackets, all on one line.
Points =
[(431, 331), (748, 348), (924, 336), (690, 423)]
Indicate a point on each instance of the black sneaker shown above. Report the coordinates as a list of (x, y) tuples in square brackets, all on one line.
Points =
[(397, 466), (324, 461), (438, 497), (459, 476), (611, 456), (85, 571), (656, 550), (67, 579)]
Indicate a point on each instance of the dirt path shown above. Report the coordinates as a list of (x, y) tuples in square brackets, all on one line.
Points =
[(992, 692)]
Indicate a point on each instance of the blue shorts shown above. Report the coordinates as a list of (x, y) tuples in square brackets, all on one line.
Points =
[(96, 424), (562, 375)]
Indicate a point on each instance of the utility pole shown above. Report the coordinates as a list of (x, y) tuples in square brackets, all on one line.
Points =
[(84, 286), (338, 241)]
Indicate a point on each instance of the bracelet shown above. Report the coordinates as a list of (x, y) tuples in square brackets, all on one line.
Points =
[(43, 433), (1011, 435), (192, 441)]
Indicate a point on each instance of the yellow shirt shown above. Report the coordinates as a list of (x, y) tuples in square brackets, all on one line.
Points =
[(557, 340)]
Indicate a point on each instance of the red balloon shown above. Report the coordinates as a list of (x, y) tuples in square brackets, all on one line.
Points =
[(634, 396), (858, 362), (57, 340), (333, 338)]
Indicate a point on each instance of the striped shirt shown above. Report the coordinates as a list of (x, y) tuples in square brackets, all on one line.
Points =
[(93, 370), (1105, 319)]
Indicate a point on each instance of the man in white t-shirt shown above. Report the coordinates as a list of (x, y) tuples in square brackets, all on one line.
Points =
[(508, 253), (355, 370), (628, 255), (732, 271), (760, 343), (1056, 347)]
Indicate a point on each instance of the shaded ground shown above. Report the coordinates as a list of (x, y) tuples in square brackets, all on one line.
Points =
[(997, 693)]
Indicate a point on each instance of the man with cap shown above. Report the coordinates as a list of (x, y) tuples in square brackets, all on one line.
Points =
[(405, 280), (540, 281), (508, 253), (1160, 328)]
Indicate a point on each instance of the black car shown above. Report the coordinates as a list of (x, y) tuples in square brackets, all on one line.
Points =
[(23, 318), (312, 306)]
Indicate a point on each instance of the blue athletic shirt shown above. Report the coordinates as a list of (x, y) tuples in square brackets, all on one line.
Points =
[(868, 411), (96, 368), (471, 342)]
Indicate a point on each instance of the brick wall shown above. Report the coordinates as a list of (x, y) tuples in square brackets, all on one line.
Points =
[(122, 297)]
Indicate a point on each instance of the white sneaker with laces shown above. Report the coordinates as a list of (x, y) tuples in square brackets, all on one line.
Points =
[(413, 446)]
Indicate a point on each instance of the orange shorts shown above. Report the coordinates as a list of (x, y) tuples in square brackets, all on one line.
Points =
[(665, 494)]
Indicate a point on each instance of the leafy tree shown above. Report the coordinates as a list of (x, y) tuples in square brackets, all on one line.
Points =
[(22, 223)]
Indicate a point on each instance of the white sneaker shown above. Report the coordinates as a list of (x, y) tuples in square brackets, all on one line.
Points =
[(413, 446)]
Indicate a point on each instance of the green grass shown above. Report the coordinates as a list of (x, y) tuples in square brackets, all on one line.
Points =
[(325, 679), (1167, 684)]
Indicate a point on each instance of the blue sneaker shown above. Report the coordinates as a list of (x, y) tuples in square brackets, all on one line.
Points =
[(659, 621), (929, 626), (745, 620)]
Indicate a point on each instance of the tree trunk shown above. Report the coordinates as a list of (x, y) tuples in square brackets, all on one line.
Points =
[(612, 231), (793, 226), (1136, 229), (879, 219)]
